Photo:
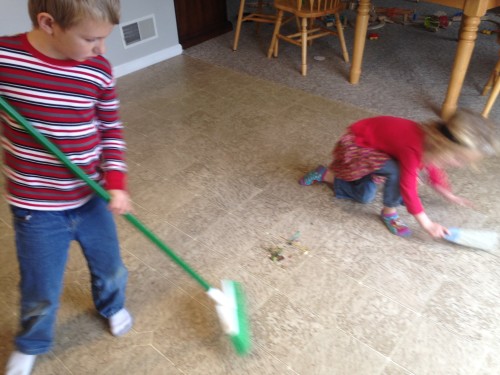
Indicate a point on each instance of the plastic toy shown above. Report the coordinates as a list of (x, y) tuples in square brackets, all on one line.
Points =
[(396, 14), (431, 23)]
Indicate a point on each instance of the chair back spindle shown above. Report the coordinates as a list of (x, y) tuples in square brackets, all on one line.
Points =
[(307, 12), (310, 5)]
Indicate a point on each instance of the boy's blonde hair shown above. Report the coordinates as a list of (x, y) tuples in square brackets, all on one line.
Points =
[(68, 13), (463, 133)]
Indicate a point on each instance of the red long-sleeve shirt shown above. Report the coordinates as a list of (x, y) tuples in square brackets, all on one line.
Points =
[(74, 105), (402, 140)]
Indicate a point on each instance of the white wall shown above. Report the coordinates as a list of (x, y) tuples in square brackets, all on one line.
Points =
[(14, 19)]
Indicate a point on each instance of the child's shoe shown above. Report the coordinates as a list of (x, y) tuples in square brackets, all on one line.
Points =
[(313, 176), (20, 363), (395, 224), (120, 323)]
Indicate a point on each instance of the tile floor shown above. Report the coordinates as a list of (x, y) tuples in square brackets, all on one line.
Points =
[(214, 160)]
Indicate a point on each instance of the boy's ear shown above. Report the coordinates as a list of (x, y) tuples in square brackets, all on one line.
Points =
[(45, 22)]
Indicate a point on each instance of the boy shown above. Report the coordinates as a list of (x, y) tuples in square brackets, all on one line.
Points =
[(56, 77)]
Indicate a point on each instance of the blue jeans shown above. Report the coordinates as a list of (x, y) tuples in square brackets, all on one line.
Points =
[(364, 189), (43, 240)]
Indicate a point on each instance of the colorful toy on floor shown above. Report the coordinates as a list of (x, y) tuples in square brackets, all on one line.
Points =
[(489, 32), (437, 21), (431, 23), (399, 15)]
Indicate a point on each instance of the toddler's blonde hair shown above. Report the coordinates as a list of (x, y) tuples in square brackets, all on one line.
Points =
[(68, 13), (464, 132)]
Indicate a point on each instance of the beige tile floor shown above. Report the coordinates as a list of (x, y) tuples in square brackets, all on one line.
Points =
[(214, 159)]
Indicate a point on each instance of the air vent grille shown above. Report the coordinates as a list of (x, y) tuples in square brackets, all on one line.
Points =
[(139, 31)]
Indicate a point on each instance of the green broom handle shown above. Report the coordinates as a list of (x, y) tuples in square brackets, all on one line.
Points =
[(99, 190)]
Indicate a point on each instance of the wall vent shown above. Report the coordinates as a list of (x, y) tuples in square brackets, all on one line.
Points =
[(138, 31)]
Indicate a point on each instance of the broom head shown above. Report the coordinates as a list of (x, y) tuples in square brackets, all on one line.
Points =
[(231, 309)]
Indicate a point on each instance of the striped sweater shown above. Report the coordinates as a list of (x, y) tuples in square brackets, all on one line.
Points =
[(74, 105)]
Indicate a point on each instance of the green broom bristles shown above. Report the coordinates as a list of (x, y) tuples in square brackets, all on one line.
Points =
[(241, 340)]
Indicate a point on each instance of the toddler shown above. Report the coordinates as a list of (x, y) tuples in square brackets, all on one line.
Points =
[(396, 150)]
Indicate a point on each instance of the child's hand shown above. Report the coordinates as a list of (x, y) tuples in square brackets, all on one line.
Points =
[(453, 198), (120, 202), (436, 230), (458, 200)]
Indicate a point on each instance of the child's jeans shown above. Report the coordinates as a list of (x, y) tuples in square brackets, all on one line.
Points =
[(43, 239), (364, 189)]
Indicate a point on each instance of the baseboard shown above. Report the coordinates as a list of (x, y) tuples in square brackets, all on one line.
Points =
[(144, 62)]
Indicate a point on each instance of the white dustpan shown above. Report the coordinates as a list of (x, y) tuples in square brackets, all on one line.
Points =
[(474, 238)]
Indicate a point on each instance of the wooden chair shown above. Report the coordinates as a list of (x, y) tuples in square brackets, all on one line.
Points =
[(307, 12), (258, 16), (493, 84)]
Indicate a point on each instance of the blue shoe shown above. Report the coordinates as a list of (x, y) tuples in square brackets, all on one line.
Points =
[(313, 176), (395, 225)]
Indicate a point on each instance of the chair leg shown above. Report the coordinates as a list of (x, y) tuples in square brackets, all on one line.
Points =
[(310, 26), (493, 78), (260, 5), (238, 25), (276, 47), (273, 47), (492, 98), (304, 45), (340, 31)]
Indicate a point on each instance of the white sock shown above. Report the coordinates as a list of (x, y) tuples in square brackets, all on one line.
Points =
[(20, 363), (120, 323)]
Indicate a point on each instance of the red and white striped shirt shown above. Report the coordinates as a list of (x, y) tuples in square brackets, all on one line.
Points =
[(74, 105)]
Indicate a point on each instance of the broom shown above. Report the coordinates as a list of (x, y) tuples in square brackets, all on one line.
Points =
[(230, 301), (477, 239)]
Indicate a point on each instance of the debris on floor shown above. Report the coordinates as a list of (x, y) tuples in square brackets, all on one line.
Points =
[(286, 248), (275, 254)]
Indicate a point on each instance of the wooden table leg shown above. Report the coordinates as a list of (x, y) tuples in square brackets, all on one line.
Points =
[(468, 36), (359, 40)]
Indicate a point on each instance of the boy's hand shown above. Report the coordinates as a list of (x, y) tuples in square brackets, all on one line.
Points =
[(120, 202)]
